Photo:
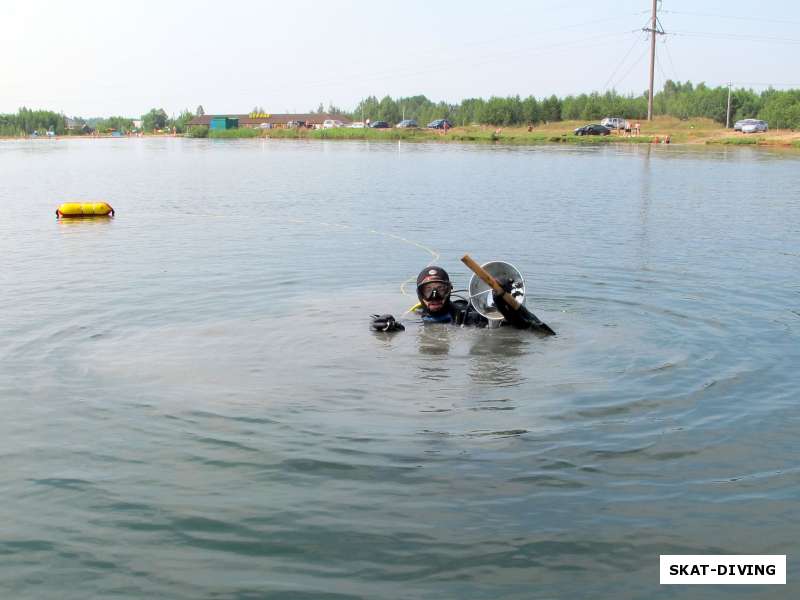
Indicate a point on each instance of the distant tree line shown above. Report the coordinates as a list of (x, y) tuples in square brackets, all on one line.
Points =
[(681, 100), (27, 122), (781, 109)]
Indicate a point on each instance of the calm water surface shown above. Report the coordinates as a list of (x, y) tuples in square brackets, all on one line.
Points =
[(193, 405)]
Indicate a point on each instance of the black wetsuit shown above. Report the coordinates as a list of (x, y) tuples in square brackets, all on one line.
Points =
[(458, 312)]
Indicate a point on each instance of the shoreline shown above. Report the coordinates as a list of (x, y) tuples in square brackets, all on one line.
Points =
[(693, 132), (696, 132)]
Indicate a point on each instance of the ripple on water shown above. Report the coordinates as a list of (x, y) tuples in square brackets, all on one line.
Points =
[(207, 415)]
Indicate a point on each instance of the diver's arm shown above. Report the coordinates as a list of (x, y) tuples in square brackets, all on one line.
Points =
[(521, 318), (386, 323)]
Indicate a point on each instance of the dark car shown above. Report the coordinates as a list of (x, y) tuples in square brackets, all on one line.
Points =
[(592, 129), (440, 124), (407, 123), (379, 125)]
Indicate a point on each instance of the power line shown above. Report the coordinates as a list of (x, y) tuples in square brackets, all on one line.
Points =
[(669, 56), (622, 62), (636, 63), (732, 17), (488, 59), (661, 70), (772, 84), (736, 36), (527, 35)]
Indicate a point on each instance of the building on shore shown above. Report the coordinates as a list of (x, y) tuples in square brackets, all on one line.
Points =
[(265, 120)]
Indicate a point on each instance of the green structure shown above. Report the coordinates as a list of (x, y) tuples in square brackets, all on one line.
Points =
[(224, 123)]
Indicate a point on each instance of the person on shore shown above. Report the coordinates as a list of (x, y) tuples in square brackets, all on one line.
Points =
[(437, 306)]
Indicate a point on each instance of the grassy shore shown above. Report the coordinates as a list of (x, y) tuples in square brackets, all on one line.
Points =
[(695, 131)]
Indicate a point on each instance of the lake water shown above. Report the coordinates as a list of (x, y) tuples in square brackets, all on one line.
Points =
[(193, 405)]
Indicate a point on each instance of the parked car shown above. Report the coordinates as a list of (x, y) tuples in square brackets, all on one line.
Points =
[(331, 124), (739, 124), (615, 123), (356, 125), (406, 123), (296, 124), (440, 124), (592, 129), (754, 126), (379, 125)]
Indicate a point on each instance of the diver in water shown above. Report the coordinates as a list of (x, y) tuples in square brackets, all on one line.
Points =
[(437, 306)]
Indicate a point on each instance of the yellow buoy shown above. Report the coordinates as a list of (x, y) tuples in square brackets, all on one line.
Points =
[(84, 209)]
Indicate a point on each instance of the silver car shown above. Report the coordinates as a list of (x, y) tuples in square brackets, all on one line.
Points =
[(754, 126), (615, 123), (739, 124)]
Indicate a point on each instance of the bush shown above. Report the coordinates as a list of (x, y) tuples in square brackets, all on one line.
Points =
[(199, 131), (241, 132)]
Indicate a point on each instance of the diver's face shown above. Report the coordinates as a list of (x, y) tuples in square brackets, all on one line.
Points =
[(434, 295)]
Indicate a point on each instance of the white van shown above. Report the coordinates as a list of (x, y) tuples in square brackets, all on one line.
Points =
[(615, 123), (331, 124)]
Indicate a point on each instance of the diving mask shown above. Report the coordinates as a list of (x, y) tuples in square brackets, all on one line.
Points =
[(435, 290)]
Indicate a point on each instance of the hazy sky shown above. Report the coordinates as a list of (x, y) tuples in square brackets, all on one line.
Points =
[(99, 58)]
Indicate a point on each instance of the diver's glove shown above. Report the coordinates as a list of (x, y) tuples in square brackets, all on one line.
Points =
[(386, 323), (521, 318)]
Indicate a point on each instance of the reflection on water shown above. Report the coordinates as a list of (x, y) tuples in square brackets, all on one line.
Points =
[(82, 223), (495, 355), (196, 406), (433, 339)]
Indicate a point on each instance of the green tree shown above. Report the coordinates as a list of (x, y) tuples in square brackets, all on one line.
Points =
[(551, 109), (335, 110), (469, 111), (388, 110), (180, 124), (121, 124), (782, 109), (155, 119), (367, 109), (531, 111)]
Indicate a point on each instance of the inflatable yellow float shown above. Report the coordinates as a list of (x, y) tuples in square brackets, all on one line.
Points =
[(69, 210)]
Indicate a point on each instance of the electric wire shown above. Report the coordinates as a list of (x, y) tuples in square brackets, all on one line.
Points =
[(669, 56), (633, 65), (529, 34), (661, 70), (772, 83), (536, 51), (619, 65), (735, 36), (396, 74), (732, 17)]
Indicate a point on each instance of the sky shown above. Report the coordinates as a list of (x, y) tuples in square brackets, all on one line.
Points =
[(101, 58)]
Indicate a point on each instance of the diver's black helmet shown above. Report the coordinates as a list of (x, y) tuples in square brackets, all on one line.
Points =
[(430, 275)]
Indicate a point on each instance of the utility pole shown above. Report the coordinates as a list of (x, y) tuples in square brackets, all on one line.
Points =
[(728, 117), (653, 29)]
